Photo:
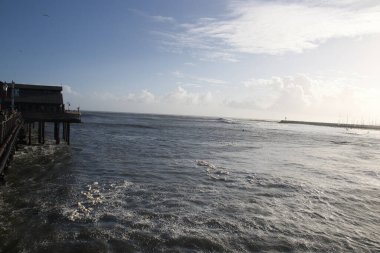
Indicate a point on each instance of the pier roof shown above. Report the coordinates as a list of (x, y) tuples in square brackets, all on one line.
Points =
[(35, 94), (36, 87)]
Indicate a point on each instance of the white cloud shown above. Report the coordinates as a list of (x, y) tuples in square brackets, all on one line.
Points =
[(156, 18), (71, 96), (306, 97), (198, 80), (163, 19), (68, 90), (178, 74), (275, 27), (179, 96), (104, 96), (302, 97), (182, 96), (146, 97)]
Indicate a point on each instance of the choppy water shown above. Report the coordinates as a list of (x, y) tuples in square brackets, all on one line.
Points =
[(146, 183)]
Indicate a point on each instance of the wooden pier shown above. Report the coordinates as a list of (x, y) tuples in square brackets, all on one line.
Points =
[(10, 127), (25, 107)]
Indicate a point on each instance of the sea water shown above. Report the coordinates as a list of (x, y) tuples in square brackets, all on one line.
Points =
[(153, 183)]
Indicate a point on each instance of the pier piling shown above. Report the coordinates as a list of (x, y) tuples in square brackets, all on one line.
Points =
[(43, 132), (29, 133), (56, 132), (64, 131), (39, 132), (68, 134)]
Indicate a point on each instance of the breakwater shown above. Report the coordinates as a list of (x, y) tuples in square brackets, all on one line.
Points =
[(356, 126)]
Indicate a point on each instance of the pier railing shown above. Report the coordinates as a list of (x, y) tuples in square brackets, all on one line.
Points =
[(8, 124)]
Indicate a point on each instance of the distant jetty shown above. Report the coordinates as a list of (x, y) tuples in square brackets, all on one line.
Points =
[(348, 126)]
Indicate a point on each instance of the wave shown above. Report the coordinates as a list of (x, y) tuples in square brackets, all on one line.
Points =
[(226, 121), (94, 197), (340, 142), (214, 172), (273, 183), (124, 125)]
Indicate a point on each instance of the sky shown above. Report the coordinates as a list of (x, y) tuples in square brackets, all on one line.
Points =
[(316, 60)]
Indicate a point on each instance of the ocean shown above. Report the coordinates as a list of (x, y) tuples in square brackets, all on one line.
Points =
[(155, 183)]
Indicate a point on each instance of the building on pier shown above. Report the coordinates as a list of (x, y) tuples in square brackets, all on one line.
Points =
[(39, 104)]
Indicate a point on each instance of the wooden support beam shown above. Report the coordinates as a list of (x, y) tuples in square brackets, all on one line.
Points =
[(43, 132), (30, 133), (64, 131), (39, 131), (68, 134), (56, 132)]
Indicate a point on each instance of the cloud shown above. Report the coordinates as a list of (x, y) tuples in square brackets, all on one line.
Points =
[(104, 96), (287, 92), (306, 97), (147, 96), (274, 27), (182, 96), (191, 79), (156, 18), (163, 19), (144, 96), (68, 90), (178, 96), (71, 96)]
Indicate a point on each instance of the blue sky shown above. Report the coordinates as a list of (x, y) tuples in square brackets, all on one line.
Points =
[(303, 59)]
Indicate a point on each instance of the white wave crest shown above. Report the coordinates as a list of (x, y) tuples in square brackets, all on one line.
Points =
[(214, 172)]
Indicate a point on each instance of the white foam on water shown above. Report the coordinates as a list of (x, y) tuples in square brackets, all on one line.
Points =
[(93, 194), (217, 177), (96, 196), (227, 121), (205, 164), (214, 172), (84, 208), (37, 151), (251, 179), (125, 184), (221, 171)]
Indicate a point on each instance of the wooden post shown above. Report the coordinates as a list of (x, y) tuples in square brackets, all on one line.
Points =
[(58, 140), (68, 134), (30, 133), (56, 132), (64, 131), (43, 132), (39, 131)]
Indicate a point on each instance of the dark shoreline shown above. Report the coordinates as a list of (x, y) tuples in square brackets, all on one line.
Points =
[(356, 126)]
